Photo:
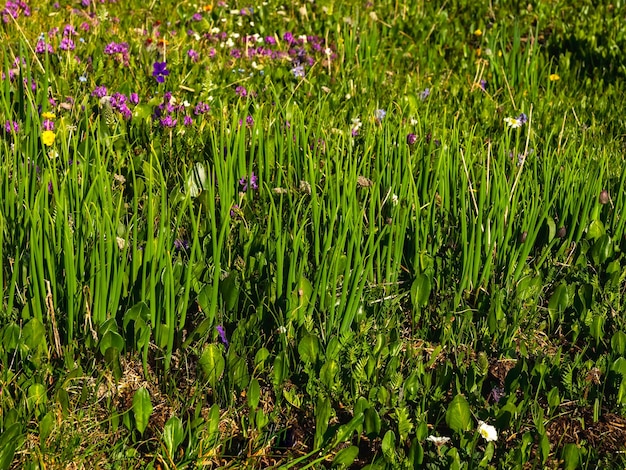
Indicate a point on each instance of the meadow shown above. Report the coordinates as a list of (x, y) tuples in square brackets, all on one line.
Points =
[(312, 234)]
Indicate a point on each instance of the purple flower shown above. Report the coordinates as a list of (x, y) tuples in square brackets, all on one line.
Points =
[(47, 125), (167, 121), (249, 121), (254, 182), (411, 139), (222, 333), (234, 211), (288, 37), (159, 71), (99, 91), (270, 40), (197, 17), (380, 114), (522, 118), (11, 126), (181, 245), (42, 47), (241, 91), (425, 94), (483, 84), (193, 55), (201, 108), (298, 71), (134, 98), (187, 121)]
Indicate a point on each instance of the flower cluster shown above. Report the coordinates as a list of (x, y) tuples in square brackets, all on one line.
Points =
[(252, 183), (159, 71), (13, 9), (519, 121), (119, 52)]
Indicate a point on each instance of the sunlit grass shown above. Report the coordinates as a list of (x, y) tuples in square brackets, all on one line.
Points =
[(311, 235)]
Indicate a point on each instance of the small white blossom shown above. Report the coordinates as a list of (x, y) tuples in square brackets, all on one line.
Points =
[(438, 440), (513, 123), (488, 432)]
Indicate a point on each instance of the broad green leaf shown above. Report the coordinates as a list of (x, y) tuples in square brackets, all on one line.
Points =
[(458, 416), (142, 409), (281, 369), (345, 457), (212, 364), (260, 357), (173, 435), (420, 290), (389, 446), (345, 431), (230, 291), (618, 343), (9, 441), (602, 249), (46, 424), (322, 418), (329, 371), (238, 371), (10, 336), (529, 288), (372, 422), (36, 396), (559, 301), (595, 230), (571, 457), (111, 339), (308, 348), (254, 394)]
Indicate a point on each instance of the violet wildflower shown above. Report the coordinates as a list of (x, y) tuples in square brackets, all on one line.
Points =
[(253, 183), (134, 98), (522, 118), (47, 125), (483, 84), (42, 47), (249, 121), (222, 333), (298, 71), (241, 91), (380, 114), (411, 139), (425, 94), (288, 37), (168, 122), (67, 44), (197, 17), (235, 211), (201, 108), (11, 126), (159, 71), (187, 121), (181, 245), (193, 55), (99, 92)]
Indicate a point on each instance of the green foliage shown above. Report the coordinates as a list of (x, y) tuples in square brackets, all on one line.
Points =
[(393, 221)]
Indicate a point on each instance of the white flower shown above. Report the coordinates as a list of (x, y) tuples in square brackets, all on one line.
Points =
[(488, 432), (394, 199), (438, 441), (513, 123)]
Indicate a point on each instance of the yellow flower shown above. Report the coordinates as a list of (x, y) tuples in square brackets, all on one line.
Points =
[(478, 32), (48, 115), (48, 137), (554, 77)]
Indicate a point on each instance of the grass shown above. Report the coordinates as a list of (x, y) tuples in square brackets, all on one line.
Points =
[(312, 236)]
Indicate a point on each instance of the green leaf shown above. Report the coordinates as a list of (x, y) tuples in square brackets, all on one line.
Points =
[(9, 441), (36, 396), (322, 417), (212, 364), (458, 416), (420, 290), (345, 431), (111, 339), (173, 435), (559, 301), (618, 343), (571, 457), (372, 422), (602, 249), (142, 409), (230, 291), (595, 230), (388, 446), (254, 394), (281, 369), (11, 336), (345, 457), (308, 348)]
